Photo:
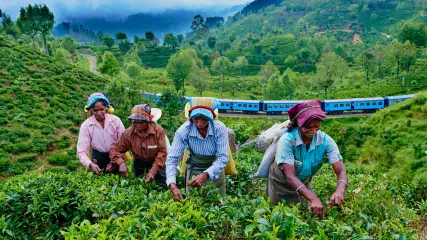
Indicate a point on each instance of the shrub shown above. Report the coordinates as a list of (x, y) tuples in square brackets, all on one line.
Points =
[(59, 159), (4, 161), (27, 157)]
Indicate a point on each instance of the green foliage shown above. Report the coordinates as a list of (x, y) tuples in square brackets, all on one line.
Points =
[(30, 157), (415, 32), (199, 79), (180, 66), (108, 41), (59, 159), (124, 46), (109, 65)]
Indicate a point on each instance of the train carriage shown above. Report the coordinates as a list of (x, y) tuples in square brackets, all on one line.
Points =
[(338, 106), (391, 100), (278, 107), (245, 106)]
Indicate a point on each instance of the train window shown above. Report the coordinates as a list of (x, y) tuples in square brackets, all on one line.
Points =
[(281, 105), (240, 105), (270, 106), (250, 105), (275, 105), (380, 103), (342, 105), (227, 105), (347, 104), (368, 104), (362, 104), (287, 106), (336, 105), (222, 104), (374, 103), (244, 105)]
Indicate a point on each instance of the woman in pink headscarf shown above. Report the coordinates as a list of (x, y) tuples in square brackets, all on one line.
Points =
[(299, 156)]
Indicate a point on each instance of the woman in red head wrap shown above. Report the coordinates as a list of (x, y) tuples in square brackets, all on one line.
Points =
[(299, 156)]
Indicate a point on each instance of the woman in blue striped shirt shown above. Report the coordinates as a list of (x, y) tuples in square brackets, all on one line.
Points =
[(207, 142)]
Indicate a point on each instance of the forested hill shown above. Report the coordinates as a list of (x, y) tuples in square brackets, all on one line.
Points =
[(42, 101), (256, 5)]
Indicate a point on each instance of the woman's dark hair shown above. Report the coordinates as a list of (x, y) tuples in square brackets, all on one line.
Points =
[(292, 125)]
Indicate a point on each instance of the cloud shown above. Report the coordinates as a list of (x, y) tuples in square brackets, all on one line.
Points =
[(63, 9)]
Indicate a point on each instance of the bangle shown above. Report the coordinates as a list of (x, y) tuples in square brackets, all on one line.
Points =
[(344, 181), (298, 188), (173, 188)]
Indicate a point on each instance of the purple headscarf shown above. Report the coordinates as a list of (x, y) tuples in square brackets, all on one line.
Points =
[(304, 112)]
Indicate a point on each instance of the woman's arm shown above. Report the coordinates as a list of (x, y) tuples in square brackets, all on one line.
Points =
[(337, 197)]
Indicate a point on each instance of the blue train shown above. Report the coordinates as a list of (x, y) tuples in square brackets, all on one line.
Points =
[(277, 107)]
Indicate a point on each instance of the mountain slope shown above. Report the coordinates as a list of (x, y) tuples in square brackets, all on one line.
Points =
[(41, 106)]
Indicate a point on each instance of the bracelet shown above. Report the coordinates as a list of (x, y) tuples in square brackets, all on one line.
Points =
[(344, 181), (298, 188)]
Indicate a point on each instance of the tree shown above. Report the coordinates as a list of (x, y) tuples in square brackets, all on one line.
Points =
[(378, 53), (27, 22), (149, 36), (170, 40), (61, 56), (327, 68), (395, 49), (291, 61), (266, 71), (132, 56), (197, 23), (342, 69), (409, 54), (108, 41), (70, 45), (180, 66), (275, 89), (135, 39), (109, 65), (133, 70), (415, 32), (288, 85), (180, 38), (223, 46), (124, 46), (10, 28), (170, 103), (199, 79), (221, 65), (46, 22), (240, 65), (212, 42), (366, 60), (121, 36)]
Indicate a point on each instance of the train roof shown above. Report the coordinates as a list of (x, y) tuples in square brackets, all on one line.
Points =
[(400, 96), (237, 100), (354, 100), (283, 101)]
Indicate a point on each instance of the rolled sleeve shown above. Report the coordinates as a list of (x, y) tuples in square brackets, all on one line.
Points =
[(119, 148), (159, 162), (221, 161), (178, 146), (284, 153), (83, 145), (332, 151)]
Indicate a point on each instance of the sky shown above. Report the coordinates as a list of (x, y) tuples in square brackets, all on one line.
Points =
[(63, 9)]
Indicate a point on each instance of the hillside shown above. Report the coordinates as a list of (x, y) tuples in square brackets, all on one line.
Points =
[(41, 107)]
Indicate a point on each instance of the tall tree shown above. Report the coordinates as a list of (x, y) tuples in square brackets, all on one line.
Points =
[(124, 46), (121, 36), (132, 56), (396, 50), (275, 89), (197, 23), (378, 52), (223, 46), (133, 70), (221, 65), (108, 41), (109, 65), (180, 66), (70, 45), (199, 79), (366, 60), (46, 22), (212, 42), (415, 32), (170, 40), (288, 85), (149, 36), (27, 22), (291, 61), (10, 28), (180, 38), (326, 68), (240, 65), (266, 71)]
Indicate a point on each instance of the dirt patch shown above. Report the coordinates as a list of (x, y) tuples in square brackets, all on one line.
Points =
[(357, 39)]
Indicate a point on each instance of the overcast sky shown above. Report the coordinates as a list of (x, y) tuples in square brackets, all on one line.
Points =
[(62, 9)]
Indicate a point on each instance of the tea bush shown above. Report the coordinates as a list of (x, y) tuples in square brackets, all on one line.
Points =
[(59, 159)]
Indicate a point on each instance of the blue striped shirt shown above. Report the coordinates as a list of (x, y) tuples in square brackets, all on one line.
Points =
[(215, 144)]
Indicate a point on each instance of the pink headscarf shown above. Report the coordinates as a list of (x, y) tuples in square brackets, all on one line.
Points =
[(304, 112)]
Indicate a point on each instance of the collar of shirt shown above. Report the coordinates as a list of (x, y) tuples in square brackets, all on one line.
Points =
[(150, 130), (93, 121), (195, 133), (318, 140)]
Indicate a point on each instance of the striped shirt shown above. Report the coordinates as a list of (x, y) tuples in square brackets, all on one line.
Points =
[(292, 150), (215, 144)]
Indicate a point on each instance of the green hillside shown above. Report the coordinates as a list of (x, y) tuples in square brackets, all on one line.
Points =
[(42, 105)]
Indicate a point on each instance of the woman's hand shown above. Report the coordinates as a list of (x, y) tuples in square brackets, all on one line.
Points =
[(198, 180), (337, 198), (317, 207), (176, 193)]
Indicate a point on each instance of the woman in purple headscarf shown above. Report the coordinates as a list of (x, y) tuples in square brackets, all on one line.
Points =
[(299, 156)]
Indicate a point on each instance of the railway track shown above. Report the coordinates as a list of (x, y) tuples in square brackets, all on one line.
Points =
[(286, 116)]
